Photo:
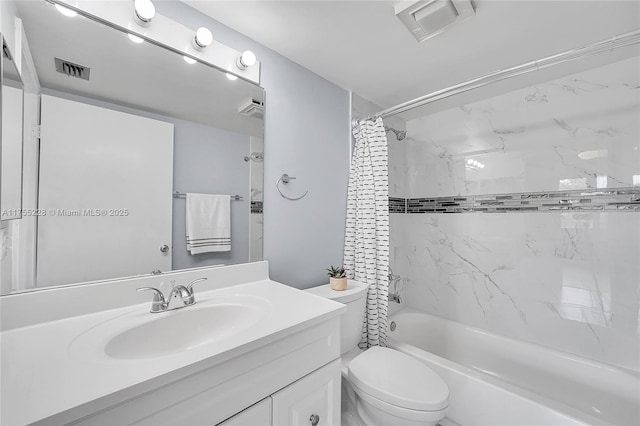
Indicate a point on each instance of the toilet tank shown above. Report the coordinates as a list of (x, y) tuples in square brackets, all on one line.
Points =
[(355, 297)]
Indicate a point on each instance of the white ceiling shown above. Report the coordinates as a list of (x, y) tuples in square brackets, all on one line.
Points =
[(361, 45)]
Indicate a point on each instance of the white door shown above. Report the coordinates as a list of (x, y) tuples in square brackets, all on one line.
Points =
[(105, 193)]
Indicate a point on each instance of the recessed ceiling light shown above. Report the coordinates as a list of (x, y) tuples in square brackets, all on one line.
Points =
[(66, 11), (590, 155)]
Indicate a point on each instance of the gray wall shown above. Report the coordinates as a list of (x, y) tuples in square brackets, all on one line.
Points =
[(307, 134), (211, 161)]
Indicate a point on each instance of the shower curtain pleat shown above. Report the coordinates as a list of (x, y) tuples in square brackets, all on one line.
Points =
[(366, 251)]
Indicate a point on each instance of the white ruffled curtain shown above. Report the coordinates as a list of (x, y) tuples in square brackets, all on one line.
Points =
[(366, 250)]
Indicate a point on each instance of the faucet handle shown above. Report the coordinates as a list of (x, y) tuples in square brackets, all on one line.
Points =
[(190, 285), (191, 299), (158, 303)]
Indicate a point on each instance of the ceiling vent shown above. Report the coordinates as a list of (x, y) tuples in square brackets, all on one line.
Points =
[(72, 70), (252, 108), (428, 18)]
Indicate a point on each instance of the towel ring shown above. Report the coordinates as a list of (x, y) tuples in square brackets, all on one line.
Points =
[(285, 178)]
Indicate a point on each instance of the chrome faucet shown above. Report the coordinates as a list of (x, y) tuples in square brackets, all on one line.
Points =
[(394, 296), (179, 297)]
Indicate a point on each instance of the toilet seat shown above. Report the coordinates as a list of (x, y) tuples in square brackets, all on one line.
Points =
[(398, 380)]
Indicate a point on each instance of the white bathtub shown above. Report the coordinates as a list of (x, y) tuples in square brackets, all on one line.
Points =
[(494, 380)]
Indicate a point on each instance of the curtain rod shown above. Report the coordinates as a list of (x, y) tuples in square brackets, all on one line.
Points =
[(616, 42)]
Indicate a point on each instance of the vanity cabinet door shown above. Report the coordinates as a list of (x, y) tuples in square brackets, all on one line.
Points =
[(258, 414), (313, 400)]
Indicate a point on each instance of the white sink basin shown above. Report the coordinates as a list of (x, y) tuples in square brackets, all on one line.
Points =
[(143, 335)]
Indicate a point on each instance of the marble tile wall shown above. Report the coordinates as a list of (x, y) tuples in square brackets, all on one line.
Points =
[(563, 279), (578, 132)]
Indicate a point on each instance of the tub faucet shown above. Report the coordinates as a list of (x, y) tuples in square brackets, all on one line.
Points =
[(179, 297), (394, 296)]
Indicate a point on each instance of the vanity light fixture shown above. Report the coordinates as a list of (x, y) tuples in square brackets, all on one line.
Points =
[(474, 164), (144, 11), (66, 11), (135, 38), (189, 60), (246, 60), (202, 39)]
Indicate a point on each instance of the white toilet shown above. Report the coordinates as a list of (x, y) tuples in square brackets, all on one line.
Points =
[(382, 386)]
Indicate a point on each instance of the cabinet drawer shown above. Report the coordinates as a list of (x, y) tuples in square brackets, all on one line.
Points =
[(313, 400)]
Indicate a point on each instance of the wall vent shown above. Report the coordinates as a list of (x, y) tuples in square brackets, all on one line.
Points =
[(252, 108), (72, 70), (428, 18)]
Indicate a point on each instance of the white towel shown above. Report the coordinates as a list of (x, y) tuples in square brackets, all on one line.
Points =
[(208, 223)]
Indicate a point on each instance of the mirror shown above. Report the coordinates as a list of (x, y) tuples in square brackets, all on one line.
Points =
[(12, 98), (216, 125)]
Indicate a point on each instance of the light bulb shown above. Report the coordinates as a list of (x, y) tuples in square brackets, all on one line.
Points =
[(246, 60), (144, 12), (189, 60), (469, 161), (66, 11), (135, 38), (202, 39)]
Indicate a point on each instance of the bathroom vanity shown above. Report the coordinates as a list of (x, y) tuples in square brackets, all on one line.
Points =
[(250, 351)]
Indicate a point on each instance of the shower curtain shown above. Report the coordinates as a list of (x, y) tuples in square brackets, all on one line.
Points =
[(366, 249)]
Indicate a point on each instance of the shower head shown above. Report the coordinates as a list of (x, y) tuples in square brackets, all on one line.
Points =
[(400, 134)]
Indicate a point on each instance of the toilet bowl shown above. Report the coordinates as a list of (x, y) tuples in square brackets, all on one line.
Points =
[(382, 386)]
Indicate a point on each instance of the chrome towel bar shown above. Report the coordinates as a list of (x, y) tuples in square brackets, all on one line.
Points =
[(183, 195)]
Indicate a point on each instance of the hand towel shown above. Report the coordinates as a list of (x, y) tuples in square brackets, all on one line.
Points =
[(208, 223)]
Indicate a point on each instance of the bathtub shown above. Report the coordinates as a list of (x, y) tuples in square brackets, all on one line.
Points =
[(495, 380)]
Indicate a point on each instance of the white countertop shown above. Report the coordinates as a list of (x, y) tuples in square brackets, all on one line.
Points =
[(44, 373)]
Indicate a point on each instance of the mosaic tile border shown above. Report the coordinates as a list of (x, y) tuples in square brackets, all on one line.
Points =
[(619, 199), (256, 207), (397, 205)]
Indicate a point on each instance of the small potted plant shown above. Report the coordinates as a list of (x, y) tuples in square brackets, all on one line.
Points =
[(337, 278)]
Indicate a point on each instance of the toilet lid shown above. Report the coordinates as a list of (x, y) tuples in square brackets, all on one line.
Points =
[(398, 379)]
